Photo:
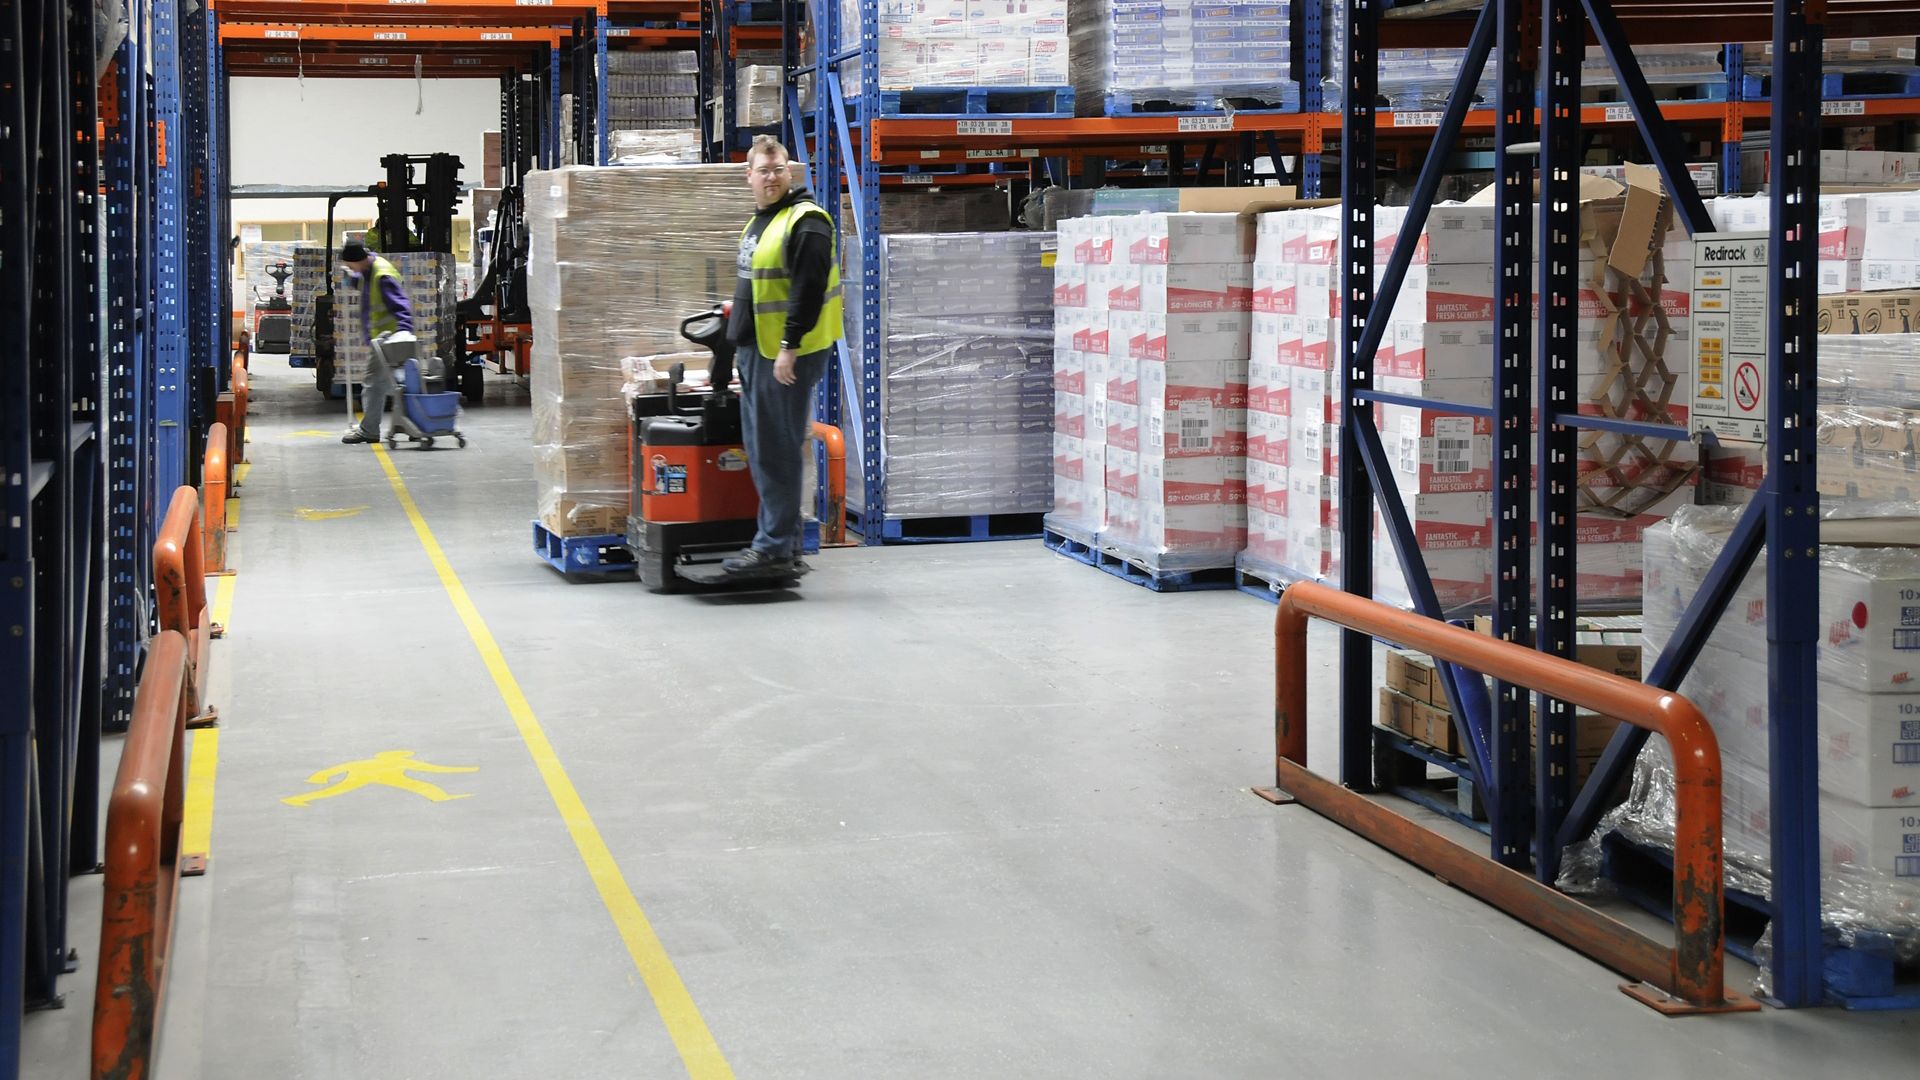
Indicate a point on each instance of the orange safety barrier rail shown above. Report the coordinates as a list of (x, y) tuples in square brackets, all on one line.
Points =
[(237, 452), (144, 817), (833, 531), (213, 483), (180, 584), (1688, 978)]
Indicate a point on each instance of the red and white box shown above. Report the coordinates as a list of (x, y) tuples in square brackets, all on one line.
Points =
[(1276, 288), (1269, 438), (1122, 380), (1163, 239), (1317, 344), (1266, 539), (1460, 233), (1185, 287), (1446, 293), (1091, 334), (1311, 235), (1315, 397), (1122, 472), (1316, 287), (1069, 286), (1124, 425), (1428, 350), (1084, 241), (1313, 499), (1070, 415), (1291, 341), (1200, 481), (1147, 335), (1194, 408), (1216, 532), (1434, 452), (1069, 372)]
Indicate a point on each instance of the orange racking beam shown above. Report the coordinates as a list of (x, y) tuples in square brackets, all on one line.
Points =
[(410, 12), (286, 33)]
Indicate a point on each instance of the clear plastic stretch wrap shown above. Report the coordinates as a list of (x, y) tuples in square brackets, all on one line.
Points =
[(1410, 79), (1176, 55), (309, 279), (759, 95), (1152, 311), (619, 256), (1869, 715), (654, 147), (934, 43), (952, 211), (257, 285), (967, 366), (653, 90)]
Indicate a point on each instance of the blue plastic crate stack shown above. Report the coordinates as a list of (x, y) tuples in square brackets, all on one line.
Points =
[(966, 367), (1181, 56)]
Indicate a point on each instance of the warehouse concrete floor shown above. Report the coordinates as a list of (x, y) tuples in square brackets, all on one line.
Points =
[(963, 811)]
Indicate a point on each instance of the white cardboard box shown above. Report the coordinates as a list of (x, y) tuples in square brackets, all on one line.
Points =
[(1184, 288), (1153, 336), (1168, 238)]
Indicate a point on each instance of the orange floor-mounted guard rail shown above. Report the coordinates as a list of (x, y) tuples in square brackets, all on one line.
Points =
[(214, 477), (833, 531), (1688, 978), (180, 586), (144, 817), (237, 444)]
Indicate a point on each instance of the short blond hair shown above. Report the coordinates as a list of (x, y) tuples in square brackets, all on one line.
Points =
[(767, 144)]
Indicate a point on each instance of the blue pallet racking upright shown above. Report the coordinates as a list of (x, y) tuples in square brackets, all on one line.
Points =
[(1533, 819), (53, 494)]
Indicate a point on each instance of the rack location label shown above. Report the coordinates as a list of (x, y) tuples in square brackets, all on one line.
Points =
[(1730, 348), (983, 127)]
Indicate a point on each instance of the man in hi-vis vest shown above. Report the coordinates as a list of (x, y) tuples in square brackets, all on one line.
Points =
[(388, 314), (786, 319)]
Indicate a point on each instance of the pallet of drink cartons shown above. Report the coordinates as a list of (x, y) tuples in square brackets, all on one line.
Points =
[(989, 58), (1207, 58)]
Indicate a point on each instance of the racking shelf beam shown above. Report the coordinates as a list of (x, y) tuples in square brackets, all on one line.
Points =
[(409, 12), (365, 65), (285, 33)]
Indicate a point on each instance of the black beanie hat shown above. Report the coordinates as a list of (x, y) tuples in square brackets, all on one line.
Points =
[(352, 251)]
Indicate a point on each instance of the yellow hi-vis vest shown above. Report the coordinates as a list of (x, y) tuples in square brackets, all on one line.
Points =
[(380, 318), (773, 287)]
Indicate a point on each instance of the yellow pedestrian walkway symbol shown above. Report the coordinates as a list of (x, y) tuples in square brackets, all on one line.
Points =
[(390, 768)]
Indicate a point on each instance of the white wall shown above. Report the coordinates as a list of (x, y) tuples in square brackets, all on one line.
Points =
[(334, 132)]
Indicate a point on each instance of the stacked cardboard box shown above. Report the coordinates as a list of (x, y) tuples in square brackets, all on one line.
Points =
[(1082, 268), (1178, 297), (428, 279), (966, 369), (1868, 738), (1180, 53), (619, 256), (931, 43)]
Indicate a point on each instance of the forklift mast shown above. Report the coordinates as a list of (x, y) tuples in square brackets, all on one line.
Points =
[(418, 201)]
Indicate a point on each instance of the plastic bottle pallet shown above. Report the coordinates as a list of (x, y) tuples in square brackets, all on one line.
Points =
[(597, 556), (956, 529), (1006, 102), (1865, 975), (1127, 103)]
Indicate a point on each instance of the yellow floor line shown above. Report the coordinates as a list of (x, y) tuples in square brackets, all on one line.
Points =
[(688, 1029), (203, 760)]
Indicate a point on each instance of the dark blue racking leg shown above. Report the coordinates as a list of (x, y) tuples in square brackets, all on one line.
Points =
[(1563, 41), (1510, 808), (1359, 335), (1793, 532)]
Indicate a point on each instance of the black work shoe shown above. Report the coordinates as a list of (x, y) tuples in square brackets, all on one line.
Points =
[(355, 435), (752, 561)]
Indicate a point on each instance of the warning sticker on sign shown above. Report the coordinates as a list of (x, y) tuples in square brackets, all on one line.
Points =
[(1729, 331)]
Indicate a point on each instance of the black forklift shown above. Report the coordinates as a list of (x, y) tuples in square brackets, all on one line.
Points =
[(416, 202)]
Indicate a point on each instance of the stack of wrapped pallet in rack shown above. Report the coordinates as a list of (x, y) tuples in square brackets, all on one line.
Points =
[(966, 356), (309, 280), (653, 103), (619, 257), (926, 44), (1181, 56)]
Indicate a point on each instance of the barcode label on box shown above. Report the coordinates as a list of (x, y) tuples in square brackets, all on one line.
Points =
[(1418, 119), (983, 127), (1906, 753), (1906, 639), (1854, 107), (1906, 866), (1196, 425), (1410, 447), (1453, 446), (1206, 123)]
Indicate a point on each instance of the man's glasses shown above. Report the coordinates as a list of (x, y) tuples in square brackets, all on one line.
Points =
[(779, 170)]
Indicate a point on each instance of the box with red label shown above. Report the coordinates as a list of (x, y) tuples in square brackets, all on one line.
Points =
[(1291, 342), (1439, 351), (1200, 481), (1462, 577), (1315, 289), (1310, 236), (1124, 425), (1267, 486), (1266, 542), (1085, 241), (1264, 377), (1269, 438), (1446, 293), (1194, 408), (1080, 330), (1122, 379), (1170, 238), (1276, 288), (1191, 537), (1185, 287), (1069, 414), (1836, 277), (1318, 344), (1122, 470), (1148, 335), (1069, 286), (1437, 452), (1458, 233), (1316, 399), (1313, 552)]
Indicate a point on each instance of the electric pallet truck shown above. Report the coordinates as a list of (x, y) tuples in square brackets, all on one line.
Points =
[(273, 318), (692, 489)]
